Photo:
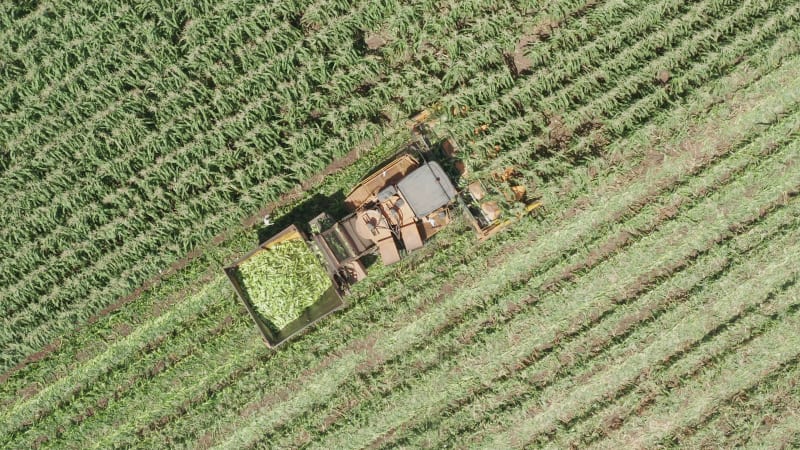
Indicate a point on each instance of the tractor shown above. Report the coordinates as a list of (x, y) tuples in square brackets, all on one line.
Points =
[(392, 212)]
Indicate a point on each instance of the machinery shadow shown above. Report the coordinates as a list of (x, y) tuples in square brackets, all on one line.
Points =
[(303, 212)]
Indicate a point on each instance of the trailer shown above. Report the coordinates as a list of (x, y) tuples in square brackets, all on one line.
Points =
[(392, 212), (327, 302)]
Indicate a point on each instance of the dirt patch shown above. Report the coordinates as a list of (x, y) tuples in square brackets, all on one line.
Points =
[(29, 391), (157, 368), (83, 355), (39, 441), (206, 441), (518, 63), (543, 30), (226, 322), (123, 329), (559, 135), (337, 413), (374, 41), (663, 77)]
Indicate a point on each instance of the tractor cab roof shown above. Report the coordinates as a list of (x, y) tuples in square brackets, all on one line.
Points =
[(427, 189)]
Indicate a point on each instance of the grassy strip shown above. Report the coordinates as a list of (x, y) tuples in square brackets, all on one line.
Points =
[(603, 384), (646, 393), (98, 334), (132, 378), (189, 378), (753, 417), (688, 405), (641, 398), (115, 354), (568, 356)]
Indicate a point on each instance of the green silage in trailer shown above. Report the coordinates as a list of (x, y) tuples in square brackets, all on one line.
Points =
[(282, 280)]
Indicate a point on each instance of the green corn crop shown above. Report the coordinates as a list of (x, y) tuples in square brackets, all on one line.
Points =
[(283, 280)]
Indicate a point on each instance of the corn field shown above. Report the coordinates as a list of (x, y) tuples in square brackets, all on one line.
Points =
[(652, 303)]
